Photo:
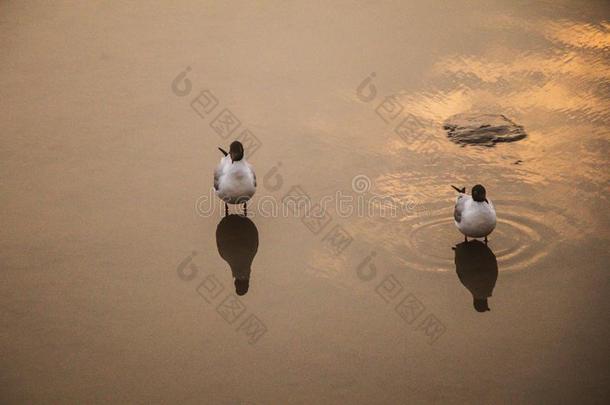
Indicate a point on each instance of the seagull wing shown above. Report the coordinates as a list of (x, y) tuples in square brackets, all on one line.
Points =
[(217, 174), (459, 207)]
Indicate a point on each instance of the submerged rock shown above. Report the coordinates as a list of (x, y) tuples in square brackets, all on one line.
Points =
[(482, 129)]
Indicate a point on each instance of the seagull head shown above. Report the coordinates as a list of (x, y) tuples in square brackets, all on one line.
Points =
[(241, 286), (478, 193), (236, 151), (480, 304)]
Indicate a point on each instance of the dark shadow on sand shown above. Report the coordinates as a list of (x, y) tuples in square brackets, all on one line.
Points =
[(477, 269), (237, 242)]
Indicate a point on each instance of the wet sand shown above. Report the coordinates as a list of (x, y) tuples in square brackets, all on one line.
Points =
[(114, 287)]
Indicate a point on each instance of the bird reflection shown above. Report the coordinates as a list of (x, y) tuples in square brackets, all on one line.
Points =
[(237, 242), (477, 269)]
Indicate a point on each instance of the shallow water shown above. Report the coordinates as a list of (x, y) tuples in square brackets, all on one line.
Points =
[(114, 288)]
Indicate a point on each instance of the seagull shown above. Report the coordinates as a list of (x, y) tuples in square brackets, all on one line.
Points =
[(474, 215), (234, 177)]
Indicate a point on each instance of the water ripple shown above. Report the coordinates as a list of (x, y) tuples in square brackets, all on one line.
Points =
[(521, 239)]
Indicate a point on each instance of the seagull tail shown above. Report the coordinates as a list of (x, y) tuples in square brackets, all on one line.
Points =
[(224, 152), (460, 190)]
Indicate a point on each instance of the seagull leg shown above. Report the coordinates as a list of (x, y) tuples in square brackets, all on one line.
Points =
[(245, 210), (465, 238), (226, 209), (486, 240)]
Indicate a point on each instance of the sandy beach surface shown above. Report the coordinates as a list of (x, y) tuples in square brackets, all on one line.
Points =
[(115, 285)]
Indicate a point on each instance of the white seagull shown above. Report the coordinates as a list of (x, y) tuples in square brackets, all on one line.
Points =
[(475, 215), (234, 178)]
